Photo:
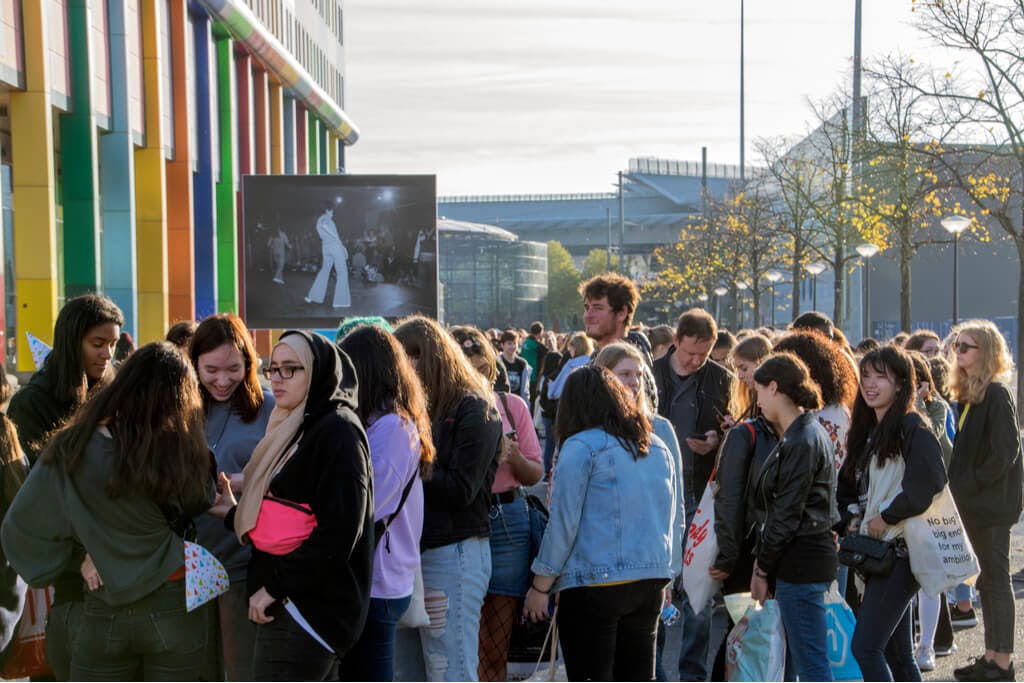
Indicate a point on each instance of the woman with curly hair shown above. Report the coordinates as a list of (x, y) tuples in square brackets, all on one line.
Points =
[(836, 376)]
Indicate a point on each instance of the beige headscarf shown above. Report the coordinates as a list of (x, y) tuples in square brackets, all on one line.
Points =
[(271, 452)]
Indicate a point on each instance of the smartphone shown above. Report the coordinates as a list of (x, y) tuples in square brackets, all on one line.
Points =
[(698, 437)]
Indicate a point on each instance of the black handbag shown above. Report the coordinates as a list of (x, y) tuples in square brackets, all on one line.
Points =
[(870, 556)]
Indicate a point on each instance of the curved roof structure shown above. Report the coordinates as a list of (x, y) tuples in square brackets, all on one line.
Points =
[(464, 228)]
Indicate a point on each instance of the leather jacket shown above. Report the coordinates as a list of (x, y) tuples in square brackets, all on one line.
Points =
[(743, 453), (795, 490)]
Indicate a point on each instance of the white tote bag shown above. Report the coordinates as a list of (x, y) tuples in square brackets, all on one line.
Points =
[(701, 551), (941, 556)]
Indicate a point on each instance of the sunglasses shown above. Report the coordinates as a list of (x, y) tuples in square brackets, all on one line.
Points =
[(964, 347)]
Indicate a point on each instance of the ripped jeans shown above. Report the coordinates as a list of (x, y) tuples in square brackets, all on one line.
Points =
[(455, 579)]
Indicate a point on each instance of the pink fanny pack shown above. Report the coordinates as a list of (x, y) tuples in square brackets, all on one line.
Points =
[(282, 525)]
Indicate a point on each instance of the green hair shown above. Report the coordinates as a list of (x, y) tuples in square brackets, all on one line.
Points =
[(349, 324)]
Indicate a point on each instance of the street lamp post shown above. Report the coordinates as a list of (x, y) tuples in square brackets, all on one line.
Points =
[(956, 225), (867, 250), (719, 293), (773, 276), (815, 269), (742, 286)]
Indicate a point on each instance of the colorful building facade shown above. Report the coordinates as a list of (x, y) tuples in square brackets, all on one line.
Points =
[(125, 126)]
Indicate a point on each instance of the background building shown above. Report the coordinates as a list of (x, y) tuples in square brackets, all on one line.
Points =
[(489, 277), (125, 126)]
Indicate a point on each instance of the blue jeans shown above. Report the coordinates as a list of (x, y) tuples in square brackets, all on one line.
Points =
[(372, 658), (455, 579), (510, 548), (802, 606), (883, 641), (549, 444), (693, 652)]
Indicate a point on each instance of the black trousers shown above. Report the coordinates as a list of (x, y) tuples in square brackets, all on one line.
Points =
[(285, 652), (608, 632), (992, 546)]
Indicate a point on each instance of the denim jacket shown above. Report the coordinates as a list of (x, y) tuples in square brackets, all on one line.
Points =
[(612, 518)]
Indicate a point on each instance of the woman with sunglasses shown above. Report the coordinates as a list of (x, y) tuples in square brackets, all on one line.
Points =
[(509, 513), (456, 549), (985, 477), (237, 411), (307, 510)]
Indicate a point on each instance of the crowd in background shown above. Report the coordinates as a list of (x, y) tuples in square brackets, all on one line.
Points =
[(394, 504)]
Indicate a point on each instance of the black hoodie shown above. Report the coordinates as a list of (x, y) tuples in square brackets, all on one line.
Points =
[(328, 576)]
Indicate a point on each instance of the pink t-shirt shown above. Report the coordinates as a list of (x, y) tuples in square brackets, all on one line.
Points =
[(529, 444)]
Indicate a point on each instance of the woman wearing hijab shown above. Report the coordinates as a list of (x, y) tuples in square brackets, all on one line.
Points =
[(307, 510)]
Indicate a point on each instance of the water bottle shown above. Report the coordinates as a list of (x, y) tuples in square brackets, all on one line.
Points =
[(670, 615)]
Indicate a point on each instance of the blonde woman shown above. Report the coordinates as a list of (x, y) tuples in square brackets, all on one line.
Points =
[(985, 476), (580, 347), (746, 356)]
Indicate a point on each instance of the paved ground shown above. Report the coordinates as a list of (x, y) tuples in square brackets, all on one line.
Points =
[(970, 642)]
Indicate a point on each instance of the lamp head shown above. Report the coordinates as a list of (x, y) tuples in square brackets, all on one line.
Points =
[(867, 250), (956, 224)]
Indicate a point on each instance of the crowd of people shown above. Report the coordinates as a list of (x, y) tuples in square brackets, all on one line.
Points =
[(394, 504)]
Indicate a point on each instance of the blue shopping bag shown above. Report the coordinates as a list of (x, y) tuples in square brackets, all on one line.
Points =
[(756, 646), (841, 624)]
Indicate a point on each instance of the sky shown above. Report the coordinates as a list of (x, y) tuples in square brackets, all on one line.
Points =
[(499, 97)]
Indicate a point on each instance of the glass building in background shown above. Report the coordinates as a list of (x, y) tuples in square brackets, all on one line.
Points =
[(489, 277)]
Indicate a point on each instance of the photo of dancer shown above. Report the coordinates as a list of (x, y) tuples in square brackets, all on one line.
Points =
[(321, 248)]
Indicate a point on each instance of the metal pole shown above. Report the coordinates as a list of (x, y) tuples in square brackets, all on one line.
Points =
[(773, 305), (608, 215), (622, 222), (718, 309), (867, 297), (814, 291), (742, 96), (956, 275)]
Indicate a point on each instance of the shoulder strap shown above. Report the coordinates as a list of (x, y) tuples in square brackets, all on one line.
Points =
[(753, 434), (381, 526), (508, 413)]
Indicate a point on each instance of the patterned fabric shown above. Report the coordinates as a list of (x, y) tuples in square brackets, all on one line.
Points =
[(205, 576)]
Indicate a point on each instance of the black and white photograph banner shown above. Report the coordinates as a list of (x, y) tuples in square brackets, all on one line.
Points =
[(322, 248)]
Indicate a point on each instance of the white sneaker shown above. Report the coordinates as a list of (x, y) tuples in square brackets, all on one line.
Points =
[(926, 659)]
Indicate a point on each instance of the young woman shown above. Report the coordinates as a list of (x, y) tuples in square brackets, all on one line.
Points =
[(237, 411), (393, 410), (548, 406), (609, 548), (307, 510), (747, 355), (795, 509), (836, 377), (893, 473), (123, 481), (13, 470), (580, 347), (509, 514), (456, 549), (627, 364), (985, 475), (84, 337)]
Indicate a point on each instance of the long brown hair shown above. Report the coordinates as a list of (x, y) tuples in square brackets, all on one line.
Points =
[(995, 358), (388, 384), (228, 328), (64, 364), (155, 416), (444, 370), (593, 397), (743, 402)]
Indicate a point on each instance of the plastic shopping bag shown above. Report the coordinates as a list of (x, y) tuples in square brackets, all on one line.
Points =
[(700, 554), (756, 646), (841, 624), (28, 651), (205, 576), (941, 556)]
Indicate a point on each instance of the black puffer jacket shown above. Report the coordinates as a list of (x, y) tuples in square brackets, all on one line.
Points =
[(457, 497), (714, 387), (795, 491), (743, 453)]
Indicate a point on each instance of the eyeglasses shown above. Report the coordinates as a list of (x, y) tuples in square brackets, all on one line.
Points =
[(282, 371), (964, 347)]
